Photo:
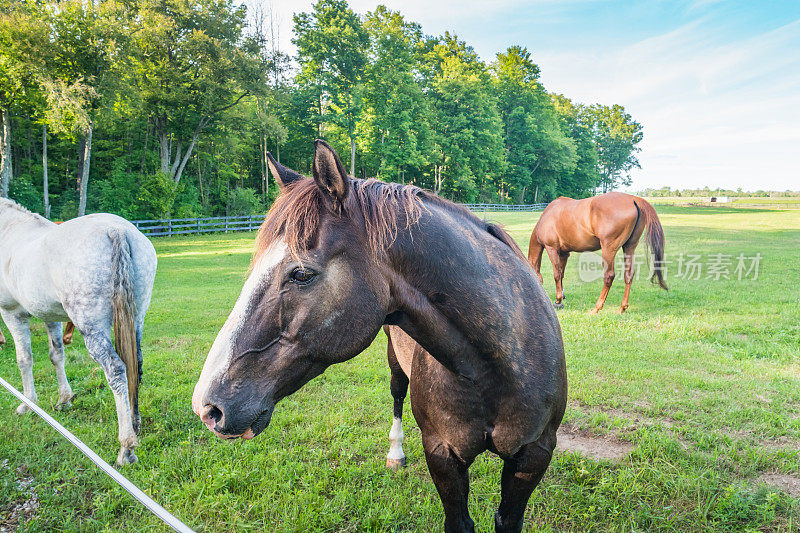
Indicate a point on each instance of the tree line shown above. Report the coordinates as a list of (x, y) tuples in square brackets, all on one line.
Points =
[(157, 108), (664, 192)]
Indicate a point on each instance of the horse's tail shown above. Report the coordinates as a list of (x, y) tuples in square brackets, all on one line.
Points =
[(124, 311), (655, 240)]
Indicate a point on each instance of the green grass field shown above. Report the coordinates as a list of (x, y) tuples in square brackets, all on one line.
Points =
[(700, 383)]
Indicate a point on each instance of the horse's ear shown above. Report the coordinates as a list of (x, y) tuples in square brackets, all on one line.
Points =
[(330, 175), (284, 176)]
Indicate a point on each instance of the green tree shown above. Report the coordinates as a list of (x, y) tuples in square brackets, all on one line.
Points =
[(395, 127), (86, 42), (617, 137), (577, 123), (539, 152), (331, 50), (467, 129), (189, 63)]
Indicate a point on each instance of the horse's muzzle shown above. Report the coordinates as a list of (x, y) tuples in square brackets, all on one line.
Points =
[(212, 416)]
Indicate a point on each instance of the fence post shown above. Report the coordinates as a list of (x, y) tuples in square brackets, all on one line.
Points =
[(169, 227), (198, 225), (226, 224)]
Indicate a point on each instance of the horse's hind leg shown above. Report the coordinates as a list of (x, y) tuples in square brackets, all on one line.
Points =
[(608, 277), (629, 250), (19, 327), (102, 351), (399, 386), (55, 333), (451, 477), (137, 418), (521, 474)]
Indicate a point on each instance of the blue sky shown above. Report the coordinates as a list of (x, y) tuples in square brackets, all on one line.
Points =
[(715, 83)]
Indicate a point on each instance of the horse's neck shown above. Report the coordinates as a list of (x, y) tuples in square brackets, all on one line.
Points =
[(459, 291)]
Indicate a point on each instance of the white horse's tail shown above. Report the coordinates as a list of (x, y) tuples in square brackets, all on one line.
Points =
[(124, 310)]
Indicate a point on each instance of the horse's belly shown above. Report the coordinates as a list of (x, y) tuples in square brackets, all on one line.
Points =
[(44, 307), (33, 290)]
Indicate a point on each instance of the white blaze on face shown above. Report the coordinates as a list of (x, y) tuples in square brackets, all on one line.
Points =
[(219, 358)]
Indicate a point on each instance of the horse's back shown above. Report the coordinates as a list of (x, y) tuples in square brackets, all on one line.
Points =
[(565, 225), (583, 225), (82, 252), (613, 216)]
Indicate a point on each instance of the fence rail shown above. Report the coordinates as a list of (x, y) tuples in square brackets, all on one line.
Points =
[(505, 207), (186, 226)]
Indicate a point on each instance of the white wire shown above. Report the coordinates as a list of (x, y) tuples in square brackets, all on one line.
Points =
[(134, 491)]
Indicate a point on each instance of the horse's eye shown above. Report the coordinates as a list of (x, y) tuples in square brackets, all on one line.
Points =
[(302, 276)]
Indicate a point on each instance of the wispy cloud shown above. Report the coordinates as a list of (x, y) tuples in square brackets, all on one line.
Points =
[(716, 86)]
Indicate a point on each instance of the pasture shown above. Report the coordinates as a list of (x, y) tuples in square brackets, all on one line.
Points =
[(689, 405)]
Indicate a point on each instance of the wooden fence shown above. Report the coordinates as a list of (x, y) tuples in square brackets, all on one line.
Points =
[(504, 207), (185, 226)]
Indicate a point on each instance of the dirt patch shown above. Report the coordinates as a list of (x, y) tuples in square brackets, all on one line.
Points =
[(12, 513), (593, 446), (785, 482)]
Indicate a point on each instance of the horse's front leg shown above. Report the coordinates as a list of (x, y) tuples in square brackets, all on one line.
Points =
[(57, 357), (102, 351), (451, 478), (521, 474), (18, 325), (396, 459)]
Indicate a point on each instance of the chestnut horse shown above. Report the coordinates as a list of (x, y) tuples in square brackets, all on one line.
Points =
[(339, 257), (606, 222)]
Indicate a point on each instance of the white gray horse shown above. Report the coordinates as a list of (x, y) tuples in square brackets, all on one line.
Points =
[(96, 271)]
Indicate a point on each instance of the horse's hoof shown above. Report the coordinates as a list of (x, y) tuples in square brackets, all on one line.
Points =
[(395, 464), (65, 403), (622, 310), (594, 311), (126, 457), (23, 408), (558, 305)]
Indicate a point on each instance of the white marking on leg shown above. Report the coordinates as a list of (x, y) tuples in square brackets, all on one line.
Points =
[(219, 357), (396, 440)]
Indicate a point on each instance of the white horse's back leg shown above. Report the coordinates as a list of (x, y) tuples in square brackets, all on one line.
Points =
[(57, 357), (137, 417), (102, 350), (19, 326)]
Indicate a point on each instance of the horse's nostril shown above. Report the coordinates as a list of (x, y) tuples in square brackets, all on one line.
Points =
[(211, 415)]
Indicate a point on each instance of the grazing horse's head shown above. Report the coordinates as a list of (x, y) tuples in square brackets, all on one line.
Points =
[(316, 294)]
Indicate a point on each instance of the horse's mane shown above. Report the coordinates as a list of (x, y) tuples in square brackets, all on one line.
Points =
[(6, 203), (384, 208)]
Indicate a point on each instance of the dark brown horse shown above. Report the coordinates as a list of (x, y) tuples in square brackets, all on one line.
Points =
[(337, 258), (607, 222)]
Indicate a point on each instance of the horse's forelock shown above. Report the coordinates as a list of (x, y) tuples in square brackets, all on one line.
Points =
[(296, 215)]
